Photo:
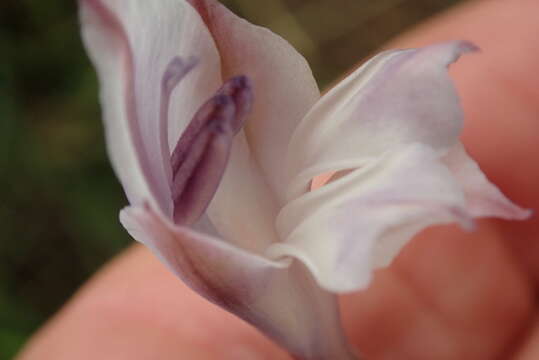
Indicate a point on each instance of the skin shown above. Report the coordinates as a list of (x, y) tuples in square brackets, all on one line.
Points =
[(449, 295)]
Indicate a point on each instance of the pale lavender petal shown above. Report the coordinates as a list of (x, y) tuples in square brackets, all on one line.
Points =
[(359, 222), (389, 132), (244, 209), (132, 43), (253, 184), (281, 301), (483, 198), (103, 34), (397, 98), (284, 85)]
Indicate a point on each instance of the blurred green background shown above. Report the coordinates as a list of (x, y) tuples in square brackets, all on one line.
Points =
[(59, 199)]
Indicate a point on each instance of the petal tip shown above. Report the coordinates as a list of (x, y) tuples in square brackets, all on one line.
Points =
[(523, 214), (458, 48), (508, 211), (466, 46)]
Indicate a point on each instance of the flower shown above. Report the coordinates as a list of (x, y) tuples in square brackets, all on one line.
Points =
[(229, 208)]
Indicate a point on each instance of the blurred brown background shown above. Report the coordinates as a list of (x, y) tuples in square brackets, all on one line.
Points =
[(59, 199)]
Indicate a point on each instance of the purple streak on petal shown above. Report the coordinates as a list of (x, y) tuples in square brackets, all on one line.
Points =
[(198, 164), (111, 21), (176, 70)]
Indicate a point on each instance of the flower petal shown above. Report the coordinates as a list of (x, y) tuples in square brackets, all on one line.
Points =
[(133, 43), (358, 222), (397, 98), (284, 86), (244, 209), (281, 301), (483, 198)]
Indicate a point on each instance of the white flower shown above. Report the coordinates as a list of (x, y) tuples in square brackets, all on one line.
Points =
[(177, 81)]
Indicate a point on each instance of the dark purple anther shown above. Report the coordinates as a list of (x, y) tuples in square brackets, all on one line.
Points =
[(241, 91), (201, 155), (214, 116)]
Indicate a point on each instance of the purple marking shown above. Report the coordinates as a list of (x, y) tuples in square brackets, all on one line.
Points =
[(174, 73), (240, 89), (198, 164), (201, 154), (206, 113)]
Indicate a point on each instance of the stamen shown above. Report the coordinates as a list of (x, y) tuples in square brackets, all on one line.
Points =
[(198, 164), (201, 154), (240, 89), (174, 73)]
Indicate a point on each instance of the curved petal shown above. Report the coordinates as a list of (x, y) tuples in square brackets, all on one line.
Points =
[(132, 43), (103, 34), (483, 199), (285, 89), (359, 222), (244, 209), (281, 301), (397, 98)]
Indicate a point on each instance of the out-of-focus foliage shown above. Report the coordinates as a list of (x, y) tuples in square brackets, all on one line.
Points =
[(59, 199)]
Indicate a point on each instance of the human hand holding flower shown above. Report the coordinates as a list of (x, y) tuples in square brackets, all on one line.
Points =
[(399, 316)]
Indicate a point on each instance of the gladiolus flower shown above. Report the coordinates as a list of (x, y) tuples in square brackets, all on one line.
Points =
[(220, 183)]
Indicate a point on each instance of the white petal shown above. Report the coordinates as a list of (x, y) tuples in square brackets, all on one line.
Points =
[(244, 209), (283, 302), (483, 198), (359, 222), (131, 43), (397, 98), (283, 83)]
